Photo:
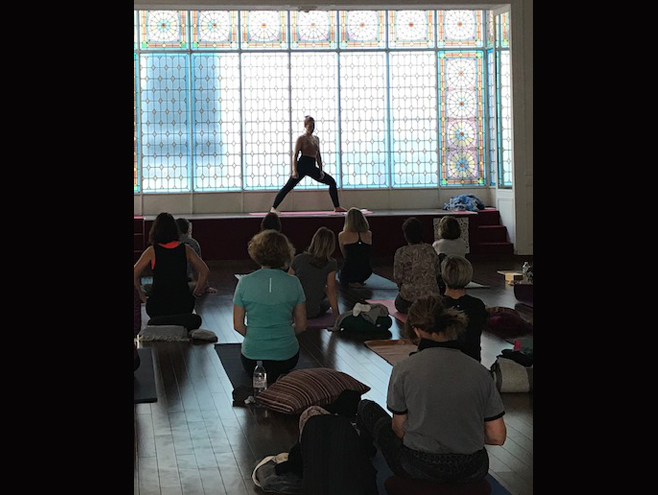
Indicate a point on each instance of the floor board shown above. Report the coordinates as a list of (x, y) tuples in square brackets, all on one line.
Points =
[(193, 442)]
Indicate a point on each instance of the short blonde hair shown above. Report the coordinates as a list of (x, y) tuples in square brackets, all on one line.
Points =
[(456, 272), (355, 221), (430, 315), (271, 248)]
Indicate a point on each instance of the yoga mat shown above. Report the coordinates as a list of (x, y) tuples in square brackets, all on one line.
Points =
[(392, 351), (376, 282), (229, 356), (390, 304), (145, 391), (298, 213), (327, 320), (475, 285)]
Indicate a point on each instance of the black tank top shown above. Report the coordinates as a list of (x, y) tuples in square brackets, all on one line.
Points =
[(357, 262), (170, 271)]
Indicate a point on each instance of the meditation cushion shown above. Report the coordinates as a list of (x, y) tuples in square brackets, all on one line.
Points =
[(396, 485), (507, 323), (301, 389)]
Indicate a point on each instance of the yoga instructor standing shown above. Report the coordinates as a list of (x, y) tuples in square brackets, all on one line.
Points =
[(308, 146)]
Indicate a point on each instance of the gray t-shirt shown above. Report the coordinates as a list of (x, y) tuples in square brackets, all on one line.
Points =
[(314, 280), (447, 397)]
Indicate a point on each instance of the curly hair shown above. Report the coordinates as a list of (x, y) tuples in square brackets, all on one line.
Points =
[(271, 248), (430, 315), (449, 228)]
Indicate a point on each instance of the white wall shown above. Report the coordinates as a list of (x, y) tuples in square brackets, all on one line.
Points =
[(517, 207)]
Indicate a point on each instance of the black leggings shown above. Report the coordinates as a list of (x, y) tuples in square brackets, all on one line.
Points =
[(373, 421), (306, 166), (274, 368)]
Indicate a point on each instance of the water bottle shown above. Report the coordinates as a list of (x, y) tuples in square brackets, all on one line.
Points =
[(260, 379), (526, 268)]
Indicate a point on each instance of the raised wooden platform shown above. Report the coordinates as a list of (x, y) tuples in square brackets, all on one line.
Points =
[(225, 236)]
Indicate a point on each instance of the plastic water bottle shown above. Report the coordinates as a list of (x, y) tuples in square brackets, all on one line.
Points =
[(260, 379), (526, 267)]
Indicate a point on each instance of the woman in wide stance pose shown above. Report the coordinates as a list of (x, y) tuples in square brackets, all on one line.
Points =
[(308, 146)]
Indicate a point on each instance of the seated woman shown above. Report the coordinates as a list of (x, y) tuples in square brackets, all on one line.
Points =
[(457, 273), (355, 242), (316, 270), (450, 242), (445, 405), (273, 304), (416, 267), (171, 302)]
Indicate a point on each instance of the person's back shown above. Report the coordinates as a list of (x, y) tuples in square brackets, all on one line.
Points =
[(416, 270), (476, 312), (455, 247), (446, 394), (334, 460), (313, 276), (171, 293), (356, 268), (269, 297)]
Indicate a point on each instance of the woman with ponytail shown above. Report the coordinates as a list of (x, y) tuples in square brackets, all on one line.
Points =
[(445, 404)]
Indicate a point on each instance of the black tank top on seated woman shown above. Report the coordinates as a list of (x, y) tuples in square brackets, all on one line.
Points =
[(171, 292), (356, 268)]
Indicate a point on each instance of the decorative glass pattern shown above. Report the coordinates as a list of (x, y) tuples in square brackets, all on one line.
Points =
[(266, 120), (364, 129), (460, 29), (363, 29), (217, 137), (315, 92), (411, 29), (313, 30), (401, 98), (136, 168), (214, 29), (462, 118), (414, 126), (164, 120), (263, 29), (493, 117), (505, 122), (163, 29)]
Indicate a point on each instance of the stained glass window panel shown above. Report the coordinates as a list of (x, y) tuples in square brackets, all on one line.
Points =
[(505, 121), (164, 100), (462, 118), (217, 139), (266, 120), (414, 127), (364, 130), (493, 117), (411, 29), (214, 29), (136, 155), (363, 29), (314, 30), (163, 29), (315, 93), (460, 28), (263, 29)]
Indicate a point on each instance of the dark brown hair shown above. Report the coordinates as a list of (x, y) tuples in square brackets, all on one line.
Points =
[(430, 315)]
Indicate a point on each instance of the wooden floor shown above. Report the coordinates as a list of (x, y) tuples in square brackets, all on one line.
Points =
[(192, 441)]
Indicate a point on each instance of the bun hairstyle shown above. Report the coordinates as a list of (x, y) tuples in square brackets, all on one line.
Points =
[(430, 315)]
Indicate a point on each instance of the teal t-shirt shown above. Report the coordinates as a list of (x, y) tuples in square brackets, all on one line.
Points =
[(269, 297)]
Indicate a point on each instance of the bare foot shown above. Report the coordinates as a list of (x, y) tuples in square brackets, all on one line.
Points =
[(274, 210), (340, 209)]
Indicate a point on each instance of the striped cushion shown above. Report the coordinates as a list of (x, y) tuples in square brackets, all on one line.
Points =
[(300, 389)]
